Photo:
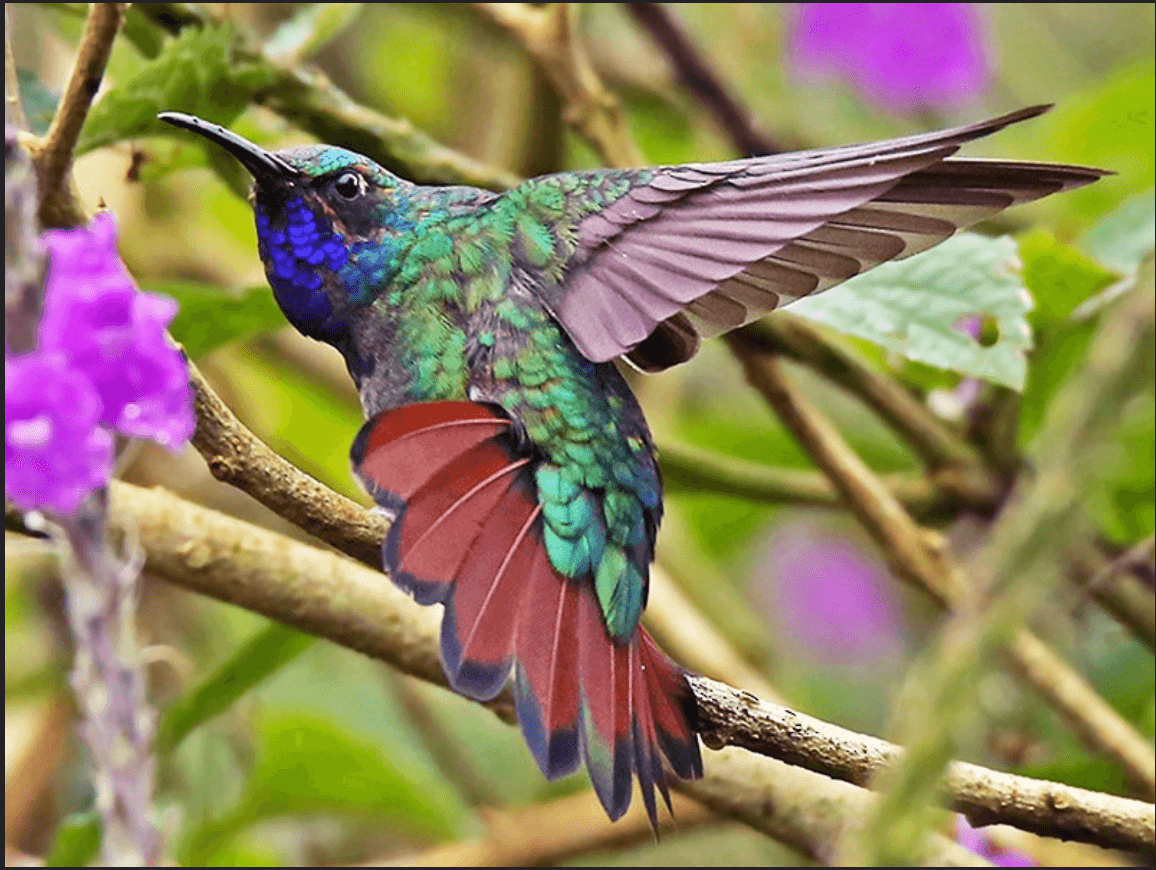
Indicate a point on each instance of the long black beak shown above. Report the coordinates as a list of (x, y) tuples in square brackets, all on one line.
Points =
[(264, 165)]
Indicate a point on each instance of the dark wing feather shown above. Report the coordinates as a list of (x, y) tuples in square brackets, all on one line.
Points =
[(702, 248)]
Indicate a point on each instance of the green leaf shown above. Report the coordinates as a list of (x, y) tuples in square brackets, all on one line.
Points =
[(310, 30), (1125, 237), (1058, 276), (195, 73), (263, 655), (210, 317), (1061, 279), (914, 307), (1112, 126), (307, 765), (77, 841), (1123, 501)]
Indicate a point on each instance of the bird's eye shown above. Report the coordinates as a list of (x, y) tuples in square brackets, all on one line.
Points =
[(349, 185)]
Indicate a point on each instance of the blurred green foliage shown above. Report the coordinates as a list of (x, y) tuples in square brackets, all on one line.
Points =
[(276, 728)]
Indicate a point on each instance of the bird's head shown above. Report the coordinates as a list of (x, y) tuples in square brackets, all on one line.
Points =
[(328, 221)]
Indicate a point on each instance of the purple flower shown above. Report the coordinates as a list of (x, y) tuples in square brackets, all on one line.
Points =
[(102, 361), (831, 597), (976, 841), (900, 56), (54, 452), (113, 333)]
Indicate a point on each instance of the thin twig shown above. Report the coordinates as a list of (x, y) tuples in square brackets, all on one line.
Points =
[(59, 206), (550, 35), (1124, 587), (307, 98), (903, 543), (927, 435), (687, 466), (697, 75), (920, 557)]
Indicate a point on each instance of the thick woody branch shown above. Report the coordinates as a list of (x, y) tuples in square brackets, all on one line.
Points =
[(236, 456), (336, 598), (985, 796)]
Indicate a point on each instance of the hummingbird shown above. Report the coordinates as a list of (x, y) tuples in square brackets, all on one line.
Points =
[(481, 331)]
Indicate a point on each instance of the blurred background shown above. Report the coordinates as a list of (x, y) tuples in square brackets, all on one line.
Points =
[(335, 759)]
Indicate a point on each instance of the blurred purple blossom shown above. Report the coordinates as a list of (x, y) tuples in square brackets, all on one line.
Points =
[(102, 360), (976, 841), (54, 452), (833, 599), (900, 56)]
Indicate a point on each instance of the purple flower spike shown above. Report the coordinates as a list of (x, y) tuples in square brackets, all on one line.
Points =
[(54, 452), (900, 56), (114, 334)]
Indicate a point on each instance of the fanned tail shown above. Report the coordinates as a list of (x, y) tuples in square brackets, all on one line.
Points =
[(468, 533)]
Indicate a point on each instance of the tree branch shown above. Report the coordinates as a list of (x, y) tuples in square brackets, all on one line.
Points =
[(687, 466), (331, 596), (920, 557), (985, 796), (954, 463), (237, 457), (906, 547), (59, 204), (306, 98), (549, 34), (696, 74), (1020, 561), (1124, 587)]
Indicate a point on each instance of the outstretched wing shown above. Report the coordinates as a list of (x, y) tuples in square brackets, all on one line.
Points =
[(694, 250)]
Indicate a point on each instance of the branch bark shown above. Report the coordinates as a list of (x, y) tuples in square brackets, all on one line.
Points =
[(331, 596)]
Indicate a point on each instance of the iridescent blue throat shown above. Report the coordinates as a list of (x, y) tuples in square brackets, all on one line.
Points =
[(294, 261)]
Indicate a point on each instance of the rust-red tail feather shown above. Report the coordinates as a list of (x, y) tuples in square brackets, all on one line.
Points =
[(467, 532)]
